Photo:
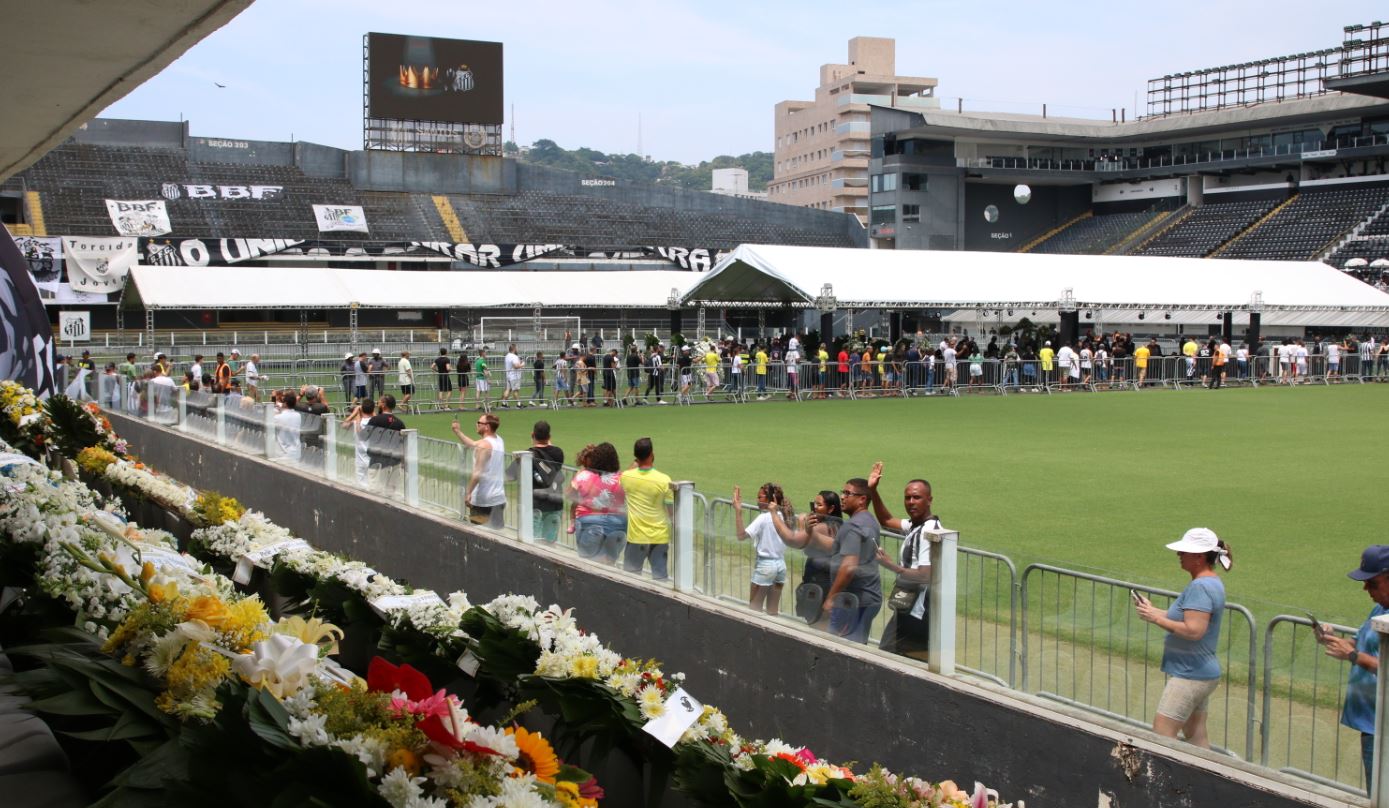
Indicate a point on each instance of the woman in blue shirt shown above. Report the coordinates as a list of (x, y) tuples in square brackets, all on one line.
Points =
[(1192, 624)]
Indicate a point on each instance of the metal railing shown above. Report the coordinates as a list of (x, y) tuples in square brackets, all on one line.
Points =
[(1059, 634)]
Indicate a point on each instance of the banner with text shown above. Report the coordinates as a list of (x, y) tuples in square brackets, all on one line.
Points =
[(139, 217), (340, 218), (694, 259), (98, 265)]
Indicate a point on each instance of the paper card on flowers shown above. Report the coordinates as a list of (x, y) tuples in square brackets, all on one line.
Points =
[(164, 558), (242, 573), (681, 711), (389, 603), (262, 556), (469, 663)]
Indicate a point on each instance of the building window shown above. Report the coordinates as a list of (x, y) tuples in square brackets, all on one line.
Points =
[(914, 182), (882, 214), (911, 213)]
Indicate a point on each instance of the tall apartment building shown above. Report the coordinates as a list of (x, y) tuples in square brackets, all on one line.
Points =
[(822, 146)]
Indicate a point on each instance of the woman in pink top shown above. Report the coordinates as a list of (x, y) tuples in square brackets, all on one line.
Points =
[(599, 505)]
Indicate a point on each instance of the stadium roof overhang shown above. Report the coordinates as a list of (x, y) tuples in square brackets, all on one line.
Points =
[(824, 277), (64, 61), (185, 288)]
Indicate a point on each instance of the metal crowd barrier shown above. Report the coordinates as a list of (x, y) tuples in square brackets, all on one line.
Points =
[(1111, 657), (1063, 635)]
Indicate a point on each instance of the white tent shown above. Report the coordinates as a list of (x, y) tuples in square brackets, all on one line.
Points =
[(756, 274), (321, 288)]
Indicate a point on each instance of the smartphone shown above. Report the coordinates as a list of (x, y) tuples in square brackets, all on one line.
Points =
[(811, 507), (1316, 626), (1137, 598)]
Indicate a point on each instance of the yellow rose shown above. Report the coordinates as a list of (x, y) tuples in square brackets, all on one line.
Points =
[(209, 609)]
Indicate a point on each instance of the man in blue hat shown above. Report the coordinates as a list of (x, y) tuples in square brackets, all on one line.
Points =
[(1358, 713)]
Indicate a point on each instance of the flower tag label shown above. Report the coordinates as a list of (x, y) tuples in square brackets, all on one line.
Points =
[(682, 711), (262, 556), (389, 603), (242, 573), (163, 558), (469, 663)]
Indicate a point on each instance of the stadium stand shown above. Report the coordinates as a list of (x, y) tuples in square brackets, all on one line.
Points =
[(539, 206), (1206, 228), (1096, 235), (1309, 224)]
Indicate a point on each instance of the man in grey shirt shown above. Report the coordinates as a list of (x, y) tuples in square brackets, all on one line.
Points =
[(376, 370), (855, 595)]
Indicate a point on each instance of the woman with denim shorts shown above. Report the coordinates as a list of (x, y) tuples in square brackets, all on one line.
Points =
[(1192, 623), (600, 507), (769, 570)]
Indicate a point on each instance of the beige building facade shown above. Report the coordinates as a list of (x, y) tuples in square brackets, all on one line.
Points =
[(823, 146)]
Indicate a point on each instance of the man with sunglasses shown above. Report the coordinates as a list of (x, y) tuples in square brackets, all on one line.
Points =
[(855, 595)]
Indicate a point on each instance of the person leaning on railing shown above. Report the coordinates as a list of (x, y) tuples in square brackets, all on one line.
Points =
[(769, 570), (1358, 712), (816, 534), (1192, 624)]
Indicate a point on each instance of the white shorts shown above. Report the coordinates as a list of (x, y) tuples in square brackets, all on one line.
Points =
[(769, 571), (513, 381), (1183, 698), (481, 385)]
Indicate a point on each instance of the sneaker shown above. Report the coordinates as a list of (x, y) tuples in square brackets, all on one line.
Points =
[(662, 402)]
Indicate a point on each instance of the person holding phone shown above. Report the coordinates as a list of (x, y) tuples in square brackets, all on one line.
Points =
[(816, 535), (1192, 623), (1358, 712), (769, 571)]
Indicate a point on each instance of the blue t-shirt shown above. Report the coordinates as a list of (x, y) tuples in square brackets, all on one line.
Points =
[(1359, 710), (1196, 659)]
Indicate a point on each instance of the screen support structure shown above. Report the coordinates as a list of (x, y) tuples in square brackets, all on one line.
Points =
[(436, 137)]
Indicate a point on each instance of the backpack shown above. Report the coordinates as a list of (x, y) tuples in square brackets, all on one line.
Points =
[(547, 477)]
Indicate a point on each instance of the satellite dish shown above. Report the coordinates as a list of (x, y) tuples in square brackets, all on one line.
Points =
[(1022, 194), (991, 214)]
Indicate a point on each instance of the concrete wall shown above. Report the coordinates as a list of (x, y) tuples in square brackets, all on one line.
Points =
[(240, 152), (431, 173), (772, 680), (117, 132)]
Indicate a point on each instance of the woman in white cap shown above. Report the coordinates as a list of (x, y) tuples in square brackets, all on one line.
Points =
[(1192, 623)]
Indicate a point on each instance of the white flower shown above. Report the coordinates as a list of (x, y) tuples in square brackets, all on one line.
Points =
[(652, 702), (398, 788), (281, 664), (371, 752), (310, 730)]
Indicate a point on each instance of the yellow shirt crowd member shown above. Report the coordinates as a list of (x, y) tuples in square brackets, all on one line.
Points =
[(761, 366), (647, 491), (1190, 348), (711, 362), (1046, 355), (824, 357), (1140, 356)]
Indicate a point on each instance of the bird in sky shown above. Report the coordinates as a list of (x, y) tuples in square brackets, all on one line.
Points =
[(219, 84)]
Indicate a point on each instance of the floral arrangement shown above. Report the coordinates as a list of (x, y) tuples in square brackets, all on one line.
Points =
[(93, 460), (211, 508), (215, 653), (73, 426), (23, 421)]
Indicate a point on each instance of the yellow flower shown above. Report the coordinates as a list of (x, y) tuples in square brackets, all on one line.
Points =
[(313, 631), (162, 593), (245, 623), (146, 572), (209, 609), (567, 794), (403, 758), (537, 756), (584, 667)]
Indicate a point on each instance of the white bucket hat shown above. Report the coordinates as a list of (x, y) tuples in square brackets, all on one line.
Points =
[(1201, 540)]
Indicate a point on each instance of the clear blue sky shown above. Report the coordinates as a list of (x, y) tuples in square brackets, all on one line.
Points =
[(704, 77)]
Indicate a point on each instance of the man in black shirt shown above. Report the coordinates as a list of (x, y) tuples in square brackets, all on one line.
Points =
[(547, 483), (443, 382), (610, 364), (385, 444)]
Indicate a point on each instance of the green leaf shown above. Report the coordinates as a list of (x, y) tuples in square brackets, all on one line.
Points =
[(73, 702), (126, 726), (269, 720), (168, 762)]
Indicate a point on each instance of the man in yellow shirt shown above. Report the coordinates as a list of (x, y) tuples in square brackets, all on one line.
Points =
[(1140, 361), (711, 370), (760, 368), (1189, 350), (648, 494), (1046, 355)]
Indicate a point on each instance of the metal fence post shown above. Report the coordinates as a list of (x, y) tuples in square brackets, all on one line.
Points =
[(412, 466), (682, 540), (268, 419), (1379, 795), (220, 405), (182, 423), (330, 446), (525, 484), (941, 615)]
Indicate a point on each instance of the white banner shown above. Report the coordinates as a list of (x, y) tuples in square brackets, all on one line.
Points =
[(75, 326), (339, 218), (98, 264), (139, 217)]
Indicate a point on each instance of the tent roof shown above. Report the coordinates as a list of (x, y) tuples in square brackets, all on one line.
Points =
[(757, 274), (325, 288)]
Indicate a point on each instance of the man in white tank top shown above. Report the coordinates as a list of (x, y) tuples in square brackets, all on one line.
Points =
[(486, 492)]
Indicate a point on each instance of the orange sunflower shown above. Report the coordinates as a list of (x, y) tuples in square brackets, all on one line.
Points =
[(537, 756)]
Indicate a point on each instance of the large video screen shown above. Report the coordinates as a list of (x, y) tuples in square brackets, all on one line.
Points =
[(421, 78)]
